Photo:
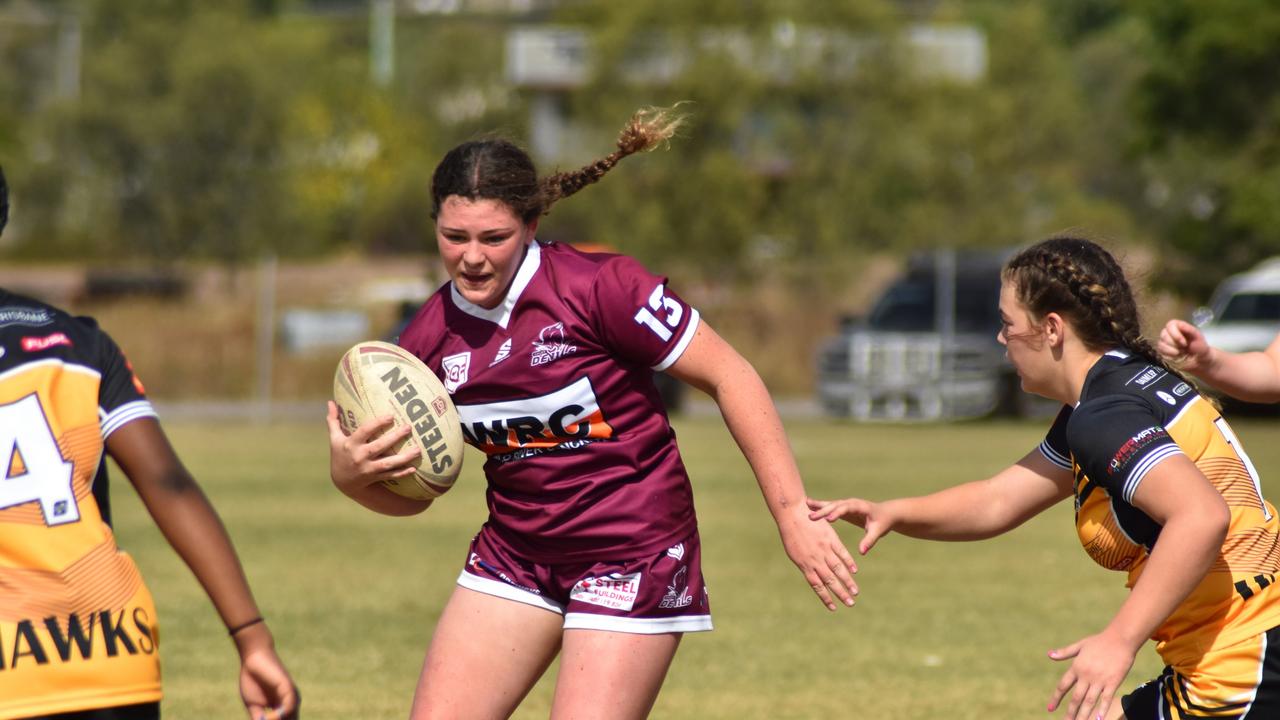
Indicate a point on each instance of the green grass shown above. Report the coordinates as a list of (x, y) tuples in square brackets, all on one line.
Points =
[(941, 630)]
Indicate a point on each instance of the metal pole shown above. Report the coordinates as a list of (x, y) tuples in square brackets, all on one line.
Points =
[(265, 338), (67, 85), (382, 41), (945, 306)]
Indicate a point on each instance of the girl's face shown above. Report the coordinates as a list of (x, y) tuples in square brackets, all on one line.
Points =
[(482, 243), (1024, 342)]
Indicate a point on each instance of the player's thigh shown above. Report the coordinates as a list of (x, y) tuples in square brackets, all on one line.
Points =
[(507, 643), (611, 674)]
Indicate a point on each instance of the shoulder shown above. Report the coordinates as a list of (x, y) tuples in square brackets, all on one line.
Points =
[(1127, 405), (33, 325), (427, 323), (1135, 383), (19, 312), (594, 276), (566, 261)]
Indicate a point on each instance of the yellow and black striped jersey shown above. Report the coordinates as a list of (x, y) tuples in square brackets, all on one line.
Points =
[(1131, 416), (77, 625)]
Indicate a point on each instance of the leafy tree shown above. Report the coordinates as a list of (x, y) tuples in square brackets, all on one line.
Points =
[(1209, 107), (817, 136), (224, 132)]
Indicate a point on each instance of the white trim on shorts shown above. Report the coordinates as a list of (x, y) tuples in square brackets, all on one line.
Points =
[(1257, 685), (586, 621), (637, 626), (497, 588)]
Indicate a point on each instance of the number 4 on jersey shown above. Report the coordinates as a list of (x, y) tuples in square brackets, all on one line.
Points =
[(27, 442), (659, 301)]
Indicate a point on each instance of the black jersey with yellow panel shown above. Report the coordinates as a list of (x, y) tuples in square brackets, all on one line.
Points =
[(77, 624), (1131, 416)]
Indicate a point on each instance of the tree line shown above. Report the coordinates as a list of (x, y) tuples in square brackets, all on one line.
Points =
[(228, 130)]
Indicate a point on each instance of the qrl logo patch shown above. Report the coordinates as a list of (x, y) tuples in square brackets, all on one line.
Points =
[(615, 590), (456, 369)]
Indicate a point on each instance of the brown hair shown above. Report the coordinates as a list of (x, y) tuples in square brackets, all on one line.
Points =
[(1081, 281), (499, 170)]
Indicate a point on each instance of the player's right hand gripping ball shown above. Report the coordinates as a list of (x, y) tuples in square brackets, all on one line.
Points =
[(377, 378)]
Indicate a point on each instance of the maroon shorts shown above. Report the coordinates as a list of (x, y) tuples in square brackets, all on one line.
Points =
[(662, 593)]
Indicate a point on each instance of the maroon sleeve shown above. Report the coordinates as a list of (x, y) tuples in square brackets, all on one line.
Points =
[(638, 316)]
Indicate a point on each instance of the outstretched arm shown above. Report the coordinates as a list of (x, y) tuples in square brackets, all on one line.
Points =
[(1251, 376), (973, 511), (1193, 518), (713, 366), (192, 527)]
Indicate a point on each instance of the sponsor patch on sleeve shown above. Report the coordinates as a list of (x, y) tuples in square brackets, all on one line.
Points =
[(36, 344), (1133, 447)]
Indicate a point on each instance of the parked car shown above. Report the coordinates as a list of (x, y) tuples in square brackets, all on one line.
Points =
[(1243, 313), (928, 348)]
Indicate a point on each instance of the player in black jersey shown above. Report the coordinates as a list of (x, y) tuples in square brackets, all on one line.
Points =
[(78, 629), (1163, 491)]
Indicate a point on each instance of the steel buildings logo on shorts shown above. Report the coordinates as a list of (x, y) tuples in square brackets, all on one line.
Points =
[(614, 590)]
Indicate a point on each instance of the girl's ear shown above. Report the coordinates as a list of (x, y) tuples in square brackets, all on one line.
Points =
[(1054, 326)]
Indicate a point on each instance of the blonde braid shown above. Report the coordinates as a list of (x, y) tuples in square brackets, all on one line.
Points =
[(646, 129)]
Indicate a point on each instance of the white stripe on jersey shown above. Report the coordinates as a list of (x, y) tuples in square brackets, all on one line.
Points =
[(123, 415), (1054, 456), (1195, 399), (66, 366), (683, 343), (1144, 467)]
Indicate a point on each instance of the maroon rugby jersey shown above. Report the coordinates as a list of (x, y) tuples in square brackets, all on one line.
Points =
[(555, 385)]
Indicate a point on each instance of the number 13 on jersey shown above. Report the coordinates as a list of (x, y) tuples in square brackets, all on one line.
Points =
[(659, 302)]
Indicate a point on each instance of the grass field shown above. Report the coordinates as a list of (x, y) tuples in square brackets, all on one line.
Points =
[(941, 630)]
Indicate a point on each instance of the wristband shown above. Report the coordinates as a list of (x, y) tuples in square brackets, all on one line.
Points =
[(233, 630)]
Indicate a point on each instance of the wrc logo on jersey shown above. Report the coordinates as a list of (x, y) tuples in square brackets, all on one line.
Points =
[(566, 418)]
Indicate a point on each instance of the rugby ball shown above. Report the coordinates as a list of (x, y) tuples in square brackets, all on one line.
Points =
[(376, 378)]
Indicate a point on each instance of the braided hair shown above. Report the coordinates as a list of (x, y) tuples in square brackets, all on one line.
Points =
[(499, 170), (1081, 281)]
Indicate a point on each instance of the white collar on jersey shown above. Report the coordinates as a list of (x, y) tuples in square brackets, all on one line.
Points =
[(501, 314)]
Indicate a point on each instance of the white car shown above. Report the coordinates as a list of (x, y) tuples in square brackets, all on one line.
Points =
[(1244, 313)]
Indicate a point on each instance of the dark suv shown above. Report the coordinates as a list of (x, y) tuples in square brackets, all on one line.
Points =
[(928, 348)]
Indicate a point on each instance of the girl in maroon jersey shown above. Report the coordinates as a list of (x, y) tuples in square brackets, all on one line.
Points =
[(591, 548)]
